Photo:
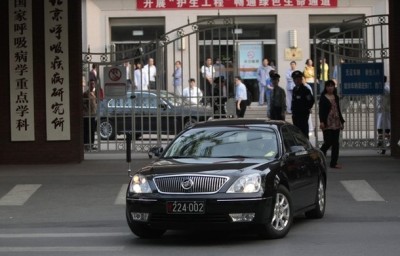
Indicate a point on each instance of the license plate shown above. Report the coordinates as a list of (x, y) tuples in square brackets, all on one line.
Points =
[(186, 207)]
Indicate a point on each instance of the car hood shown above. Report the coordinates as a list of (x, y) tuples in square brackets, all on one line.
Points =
[(214, 166)]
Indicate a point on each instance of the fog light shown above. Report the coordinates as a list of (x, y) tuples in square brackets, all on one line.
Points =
[(242, 217), (140, 216)]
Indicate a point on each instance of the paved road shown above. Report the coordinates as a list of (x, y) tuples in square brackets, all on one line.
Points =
[(78, 209)]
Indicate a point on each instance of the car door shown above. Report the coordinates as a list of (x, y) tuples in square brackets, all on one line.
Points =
[(308, 172), (296, 167)]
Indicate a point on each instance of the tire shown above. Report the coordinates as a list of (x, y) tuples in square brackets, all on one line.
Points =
[(281, 218), (142, 230), (320, 201), (107, 130)]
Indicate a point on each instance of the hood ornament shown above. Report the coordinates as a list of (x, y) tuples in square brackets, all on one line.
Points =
[(187, 184)]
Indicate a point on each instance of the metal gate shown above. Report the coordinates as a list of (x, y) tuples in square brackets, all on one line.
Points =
[(360, 40), (156, 115)]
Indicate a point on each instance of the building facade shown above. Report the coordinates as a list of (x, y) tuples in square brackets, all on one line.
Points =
[(284, 29)]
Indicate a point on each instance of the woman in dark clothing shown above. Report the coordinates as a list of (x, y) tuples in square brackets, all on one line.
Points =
[(331, 121)]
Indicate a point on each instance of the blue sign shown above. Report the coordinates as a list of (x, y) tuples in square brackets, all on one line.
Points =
[(362, 78)]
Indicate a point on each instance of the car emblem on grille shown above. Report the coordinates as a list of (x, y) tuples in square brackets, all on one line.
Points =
[(187, 184)]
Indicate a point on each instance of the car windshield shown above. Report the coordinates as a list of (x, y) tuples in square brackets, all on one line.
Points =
[(172, 98), (225, 142)]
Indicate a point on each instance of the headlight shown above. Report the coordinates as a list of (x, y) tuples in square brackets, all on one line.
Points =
[(139, 184), (246, 184)]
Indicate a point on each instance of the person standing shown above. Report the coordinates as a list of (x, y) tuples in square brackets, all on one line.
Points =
[(302, 102), (331, 121), (322, 74), (192, 93), (177, 75), (240, 97), (207, 74), (128, 69), (383, 121), (309, 73), (335, 74), (151, 71), (89, 116), (310, 121), (262, 77), (94, 76), (289, 86), (277, 104), (93, 73), (220, 95), (220, 70), (141, 78)]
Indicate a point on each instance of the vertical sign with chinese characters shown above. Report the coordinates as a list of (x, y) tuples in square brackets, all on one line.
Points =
[(57, 70), (21, 71)]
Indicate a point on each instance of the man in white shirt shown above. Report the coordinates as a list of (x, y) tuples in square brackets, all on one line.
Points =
[(151, 71), (192, 93), (207, 73), (240, 97)]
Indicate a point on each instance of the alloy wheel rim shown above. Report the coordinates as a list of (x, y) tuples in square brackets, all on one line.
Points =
[(281, 215), (321, 196), (105, 130)]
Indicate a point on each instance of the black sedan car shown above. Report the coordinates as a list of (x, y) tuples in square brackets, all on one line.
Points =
[(140, 111), (229, 173)]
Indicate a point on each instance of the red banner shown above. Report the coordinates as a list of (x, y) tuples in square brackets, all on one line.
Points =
[(229, 4)]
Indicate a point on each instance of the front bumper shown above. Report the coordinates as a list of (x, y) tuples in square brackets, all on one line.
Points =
[(216, 214)]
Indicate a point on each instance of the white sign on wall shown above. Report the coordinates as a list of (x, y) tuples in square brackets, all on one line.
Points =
[(57, 70), (250, 58), (21, 71)]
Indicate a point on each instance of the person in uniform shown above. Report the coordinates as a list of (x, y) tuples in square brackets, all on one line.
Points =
[(302, 102)]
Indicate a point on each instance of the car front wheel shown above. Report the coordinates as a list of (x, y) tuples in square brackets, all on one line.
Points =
[(320, 202), (107, 130), (281, 218)]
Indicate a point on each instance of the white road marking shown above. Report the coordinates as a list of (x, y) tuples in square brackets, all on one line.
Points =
[(19, 194), (63, 235), (361, 190), (120, 200), (63, 249)]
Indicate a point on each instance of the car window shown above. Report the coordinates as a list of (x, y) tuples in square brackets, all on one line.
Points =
[(137, 101), (152, 101), (288, 139), (116, 103), (299, 137), (171, 98), (223, 142)]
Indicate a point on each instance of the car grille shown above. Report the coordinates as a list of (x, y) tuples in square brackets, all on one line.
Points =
[(190, 184)]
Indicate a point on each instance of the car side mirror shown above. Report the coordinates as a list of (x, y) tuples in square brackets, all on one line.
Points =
[(155, 151), (297, 149), (294, 150)]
